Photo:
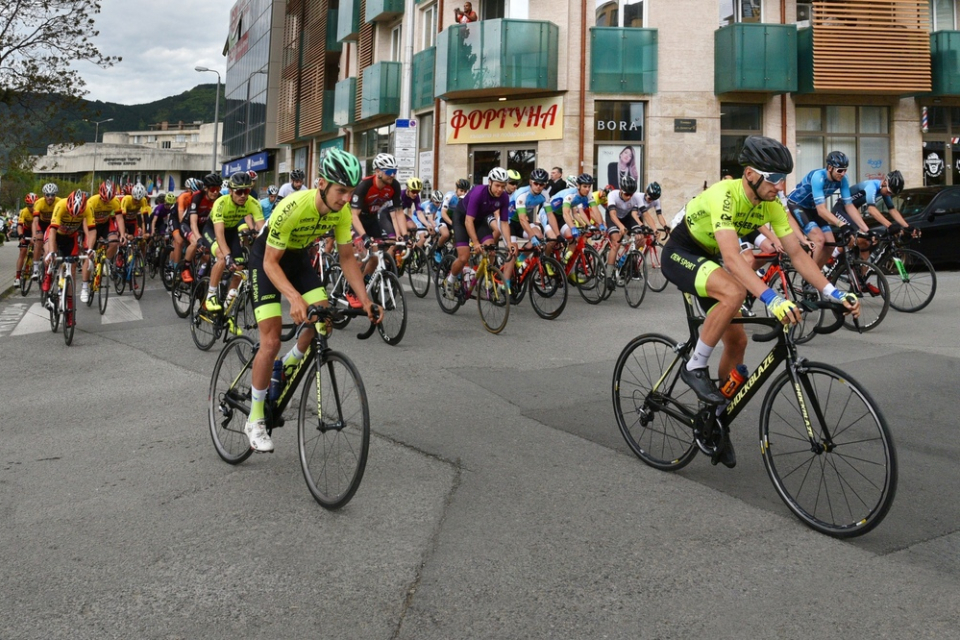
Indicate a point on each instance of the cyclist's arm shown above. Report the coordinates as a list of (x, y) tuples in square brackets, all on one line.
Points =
[(354, 276), (802, 262), (355, 221)]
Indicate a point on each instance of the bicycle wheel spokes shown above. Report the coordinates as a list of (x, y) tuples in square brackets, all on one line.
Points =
[(493, 299), (843, 483), (418, 272), (588, 273), (389, 295), (870, 286), (449, 302), (333, 431), (228, 402), (548, 293), (913, 282), (138, 276), (634, 279), (182, 296), (69, 310), (101, 285), (204, 324), (653, 407)]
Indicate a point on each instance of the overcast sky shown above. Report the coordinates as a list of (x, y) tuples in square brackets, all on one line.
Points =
[(160, 43)]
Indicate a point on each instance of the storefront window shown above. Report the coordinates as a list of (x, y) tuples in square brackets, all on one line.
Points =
[(862, 133), (941, 159), (737, 122), (618, 132), (370, 143)]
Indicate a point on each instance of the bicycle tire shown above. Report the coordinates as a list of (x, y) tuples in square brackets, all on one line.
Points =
[(589, 272), (90, 290), (333, 452), (447, 304), (389, 263), (519, 289), (26, 280), (914, 290), (418, 272), (548, 293), (53, 299), (167, 273), (244, 316), (813, 485), (649, 420), (205, 326), (873, 304), (151, 260), (119, 276), (228, 400), (103, 288), (656, 281), (388, 293), (138, 276), (69, 309), (634, 279), (493, 300), (182, 296)]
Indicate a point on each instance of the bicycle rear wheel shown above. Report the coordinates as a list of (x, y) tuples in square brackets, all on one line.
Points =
[(388, 293), (548, 293), (844, 483), (654, 408), (53, 302), (182, 296), (333, 430), (102, 285), (26, 281), (166, 271), (69, 310), (913, 282), (418, 272), (493, 299), (204, 324), (634, 279), (138, 276), (656, 281), (228, 402), (119, 275), (588, 272), (449, 302), (871, 287)]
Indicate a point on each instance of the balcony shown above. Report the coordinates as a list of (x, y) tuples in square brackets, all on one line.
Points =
[(755, 57), (496, 58), (348, 20), (383, 10), (333, 45), (381, 90), (329, 106), (424, 65), (345, 102), (623, 60), (945, 63)]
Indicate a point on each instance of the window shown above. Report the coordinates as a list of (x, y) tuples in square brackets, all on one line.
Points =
[(425, 127), (732, 11), (396, 43), (151, 138), (804, 12), (862, 133), (370, 143), (181, 137), (490, 9), (136, 139), (429, 26), (165, 144), (942, 15), (737, 122), (620, 13), (195, 137)]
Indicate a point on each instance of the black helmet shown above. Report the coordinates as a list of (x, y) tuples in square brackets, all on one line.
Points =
[(540, 175), (895, 182), (837, 159), (296, 175), (211, 180), (628, 185), (584, 178), (240, 180), (341, 167), (463, 184), (653, 190), (766, 154)]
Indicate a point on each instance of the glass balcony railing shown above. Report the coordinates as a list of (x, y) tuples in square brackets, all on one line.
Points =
[(424, 65), (381, 90), (329, 106), (332, 24), (623, 60), (755, 57), (348, 20), (345, 102), (945, 63), (380, 10)]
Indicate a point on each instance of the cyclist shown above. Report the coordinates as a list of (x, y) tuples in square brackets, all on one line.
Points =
[(105, 208), (623, 217), (402, 219), (711, 229), (868, 193), (267, 204), (651, 202), (373, 193), (25, 234), (807, 202), (222, 234), (196, 218), (70, 216), (193, 186), (43, 214), (133, 208), (447, 208), (426, 217), (280, 265), (513, 183), (295, 184), (525, 204)]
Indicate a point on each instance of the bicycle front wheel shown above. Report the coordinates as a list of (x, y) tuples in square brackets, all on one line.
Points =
[(204, 324), (548, 293), (138, 276), (182, 296), (654, 408), (843, 481), (588, 273), (101, 285), (656, 281), (69, 309), (447, 298), (913, 282), (871, 287), (418, 272), (493, 299), (333, 430), (27, 280), (634, 279), (228, 402), (389, 295), (119, 277), (53, 302)]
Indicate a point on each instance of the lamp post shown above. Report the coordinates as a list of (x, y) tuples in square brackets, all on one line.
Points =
[(216, 115), (246, 135), (96, 134)]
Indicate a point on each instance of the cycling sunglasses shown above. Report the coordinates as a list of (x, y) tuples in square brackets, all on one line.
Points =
[(389, 172), (540, 184), (242, 192), (772, 178)]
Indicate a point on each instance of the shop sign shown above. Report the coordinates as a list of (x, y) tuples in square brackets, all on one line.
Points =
[(505, 121), (933, 165), (257, 162)]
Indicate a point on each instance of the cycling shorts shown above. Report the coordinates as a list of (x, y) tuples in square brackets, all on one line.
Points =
[(516, 229), (232, 236), (689, 271), (460, 236), (385, 218), (298, 270), (371, 225), (106, 228), (809, 219), (67, 244)]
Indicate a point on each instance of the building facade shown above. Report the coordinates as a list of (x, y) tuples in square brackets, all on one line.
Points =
[(664, 90)]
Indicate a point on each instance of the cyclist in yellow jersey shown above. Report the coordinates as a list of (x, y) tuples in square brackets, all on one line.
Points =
[(25, 234), (279, 264), (70, 217), (105, 207), (133, 208), (712, 227)]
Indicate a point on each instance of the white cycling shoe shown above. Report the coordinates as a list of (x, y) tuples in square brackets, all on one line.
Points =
[(256, 431)]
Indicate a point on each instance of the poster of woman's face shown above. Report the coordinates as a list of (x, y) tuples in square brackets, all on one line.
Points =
[(615, 161)]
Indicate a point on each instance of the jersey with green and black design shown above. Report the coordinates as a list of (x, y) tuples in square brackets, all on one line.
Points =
[(725, 205), (296, 223), (231, 214)]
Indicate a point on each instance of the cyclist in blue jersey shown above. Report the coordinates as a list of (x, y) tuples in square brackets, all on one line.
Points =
[(807, 202), (868, 193), (561, 203), (425, 218), (268, 203), (525, 204), (444, 215)]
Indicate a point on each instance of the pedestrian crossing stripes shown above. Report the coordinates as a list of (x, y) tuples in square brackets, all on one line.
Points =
[(25, 318)]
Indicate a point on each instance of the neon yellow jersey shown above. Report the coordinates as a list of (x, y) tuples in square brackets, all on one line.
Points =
[(66, 224), (227, 212), (103, 211), (725, 206), (296, 223)]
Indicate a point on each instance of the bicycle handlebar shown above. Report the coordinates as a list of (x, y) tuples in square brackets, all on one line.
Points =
[(810, 305), (317, 314)]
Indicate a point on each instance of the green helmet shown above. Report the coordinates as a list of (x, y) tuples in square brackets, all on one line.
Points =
[(341, 167)]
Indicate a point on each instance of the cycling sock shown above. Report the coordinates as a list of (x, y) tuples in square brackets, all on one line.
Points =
[(700, 356), (211, 292), (293, 356), (257, 398)]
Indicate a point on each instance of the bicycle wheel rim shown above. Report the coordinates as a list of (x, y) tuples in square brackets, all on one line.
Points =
[(548, 293), (204, 325), (138, 278), (69, 310), (915, 291), (656, 281), (493, 300), (448, 303), (103, 288), (389, 295), (228, 400), (634, 281), (182, 297), (873, 304), (333, 431), (844, 491), (418, 273)]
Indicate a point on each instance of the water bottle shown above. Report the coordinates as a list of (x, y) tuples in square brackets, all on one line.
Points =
[(230, 296), (276, 380), (522, 259), (738, 375), (202, 270), (621, 260), (469, 277)]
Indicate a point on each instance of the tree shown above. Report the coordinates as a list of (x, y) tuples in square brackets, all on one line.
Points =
[(39, 41)]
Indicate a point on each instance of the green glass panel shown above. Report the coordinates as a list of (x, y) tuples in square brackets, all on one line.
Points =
[(329, 106), (332, 23), (755, 57), (345, 102), (805, 60), (381, 90), (383, 10), (945, 63), (424, 64), (348, 20), (623, 60)]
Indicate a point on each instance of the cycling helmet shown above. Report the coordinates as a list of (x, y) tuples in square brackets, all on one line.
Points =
[(272, 190), (463, 184), (653, 190), (30, 199), (76, 203), (240, 180), (139, 192), (584, 178), (211, 180), (837, 159), (253, 175), (895, 182), (297, 175), (106, 191), (571, 182), (414, 184), (127, 189), (498, 174), (628, 186), (170, 198), (436, 197), (513, 175), (766, 154), (540, 175), (192, 184), (225, 184), (341, 167), (384, 161), (50, 189)]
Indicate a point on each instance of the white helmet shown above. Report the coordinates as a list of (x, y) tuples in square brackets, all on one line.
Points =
[(384, 161), (139, 192), (50, 189), (498, 174)]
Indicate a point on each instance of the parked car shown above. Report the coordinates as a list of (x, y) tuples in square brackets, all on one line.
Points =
[(936, 212)]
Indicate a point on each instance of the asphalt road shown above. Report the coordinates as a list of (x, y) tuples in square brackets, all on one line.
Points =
[(499, 499)]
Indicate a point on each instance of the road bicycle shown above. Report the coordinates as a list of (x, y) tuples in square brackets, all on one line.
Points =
[(99, 281), (333, 419), (181, 293), (236, 318), (779, 275), (582, 265), (825, 443), (543, 276), (61, 300), (481, 280), (910, 275), (629, 269), (26, 280), (130, 268), (863, 279)]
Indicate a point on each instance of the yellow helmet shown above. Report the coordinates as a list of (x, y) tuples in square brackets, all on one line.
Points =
[(414, 184)]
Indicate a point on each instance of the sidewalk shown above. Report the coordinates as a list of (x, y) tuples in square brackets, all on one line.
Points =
[(8, 266)]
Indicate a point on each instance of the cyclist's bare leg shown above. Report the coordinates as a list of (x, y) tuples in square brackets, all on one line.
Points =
[(729, 294), (820, 253)]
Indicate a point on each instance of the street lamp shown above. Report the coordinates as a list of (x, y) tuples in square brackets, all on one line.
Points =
[(96, 134), (216, 114), (246, 135)]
